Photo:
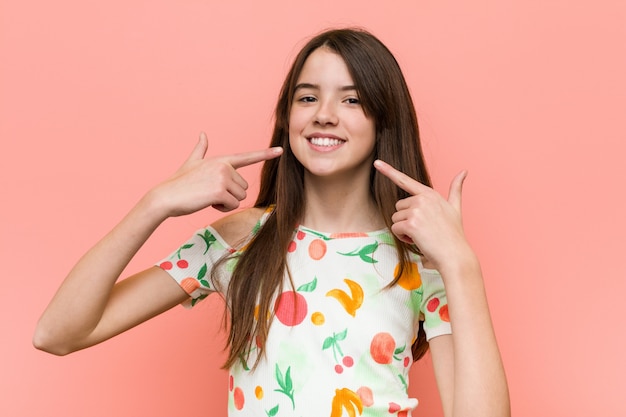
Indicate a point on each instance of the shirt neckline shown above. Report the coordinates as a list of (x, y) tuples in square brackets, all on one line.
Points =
[(341, 235)]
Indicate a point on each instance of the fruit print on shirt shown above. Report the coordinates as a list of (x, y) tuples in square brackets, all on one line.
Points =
[(351, 302), (290, 307), (339, 344)]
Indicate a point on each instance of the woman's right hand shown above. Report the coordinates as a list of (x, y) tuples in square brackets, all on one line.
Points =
[(200, 182)]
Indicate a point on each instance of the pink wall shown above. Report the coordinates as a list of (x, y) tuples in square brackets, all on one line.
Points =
[(100, 100)]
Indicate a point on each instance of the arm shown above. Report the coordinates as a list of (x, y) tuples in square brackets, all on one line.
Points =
[(90, 306), (468, 367)]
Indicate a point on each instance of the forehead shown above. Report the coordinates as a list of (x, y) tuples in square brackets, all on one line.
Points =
[(325, 67)]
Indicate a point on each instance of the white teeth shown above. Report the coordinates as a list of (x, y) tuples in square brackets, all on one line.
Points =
[(325, 141)]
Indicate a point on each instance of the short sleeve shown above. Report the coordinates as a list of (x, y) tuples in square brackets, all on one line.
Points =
[(191, 264), (434, 305)]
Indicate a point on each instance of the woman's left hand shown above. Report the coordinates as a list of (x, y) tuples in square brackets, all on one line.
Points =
[(427, 219)]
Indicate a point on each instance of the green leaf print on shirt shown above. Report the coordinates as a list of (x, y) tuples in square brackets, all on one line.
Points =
[(320, 235), (403, 381), (309, 286), (244, 363), (398, 351), (285, 384), (208, 238), (272, 412), (365, 253), (333, 341), (201, 274), (185, 246)]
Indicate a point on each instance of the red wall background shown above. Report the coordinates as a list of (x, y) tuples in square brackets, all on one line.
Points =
[(100, 100)]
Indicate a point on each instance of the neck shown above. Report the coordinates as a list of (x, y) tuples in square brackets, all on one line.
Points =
[(337, 205)]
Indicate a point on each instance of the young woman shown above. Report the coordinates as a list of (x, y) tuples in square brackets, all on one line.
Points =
[(337, 277)]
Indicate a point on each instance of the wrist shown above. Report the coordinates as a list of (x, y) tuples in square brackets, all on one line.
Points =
[(152, 208), (462, 264)]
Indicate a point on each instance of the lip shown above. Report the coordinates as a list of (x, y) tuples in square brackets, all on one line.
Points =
[(323, 135), (324, 148)]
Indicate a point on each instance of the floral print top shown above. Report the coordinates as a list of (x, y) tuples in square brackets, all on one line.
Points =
[(340, 342)]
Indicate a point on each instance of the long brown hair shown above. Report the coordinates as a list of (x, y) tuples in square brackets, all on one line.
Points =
[(385, 97)]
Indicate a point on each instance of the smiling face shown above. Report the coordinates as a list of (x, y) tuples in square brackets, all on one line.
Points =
[(329, 132)]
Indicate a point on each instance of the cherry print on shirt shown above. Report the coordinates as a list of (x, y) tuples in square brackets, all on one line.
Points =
[(351, 303), (348, 361), (291, 306), (348, 399), (167, 265), (333, 342), (443, 313), (432, 305), (180, 263)]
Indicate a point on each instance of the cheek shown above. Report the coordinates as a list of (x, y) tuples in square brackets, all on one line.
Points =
[(297, 124), (297, 120), (368, 132)]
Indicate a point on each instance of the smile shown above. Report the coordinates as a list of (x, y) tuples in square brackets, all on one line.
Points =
[(326, 141)]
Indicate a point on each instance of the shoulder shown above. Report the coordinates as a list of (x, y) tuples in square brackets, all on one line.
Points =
[(236, 227)]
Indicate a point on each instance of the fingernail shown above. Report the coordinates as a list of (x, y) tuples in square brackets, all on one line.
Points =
[(277, 149)]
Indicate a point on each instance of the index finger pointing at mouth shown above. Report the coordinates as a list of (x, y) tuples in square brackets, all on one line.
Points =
[(399, 178), (248, 158)]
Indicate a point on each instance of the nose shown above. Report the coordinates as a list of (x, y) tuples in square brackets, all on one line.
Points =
[(326, 114)]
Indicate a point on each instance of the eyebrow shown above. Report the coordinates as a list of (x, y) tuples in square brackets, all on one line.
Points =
[(317, 87)]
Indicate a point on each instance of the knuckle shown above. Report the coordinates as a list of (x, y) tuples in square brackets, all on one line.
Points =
[(224, 168)]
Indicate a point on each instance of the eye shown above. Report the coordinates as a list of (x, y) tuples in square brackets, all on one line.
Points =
[(352, 100), (307, 99)]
